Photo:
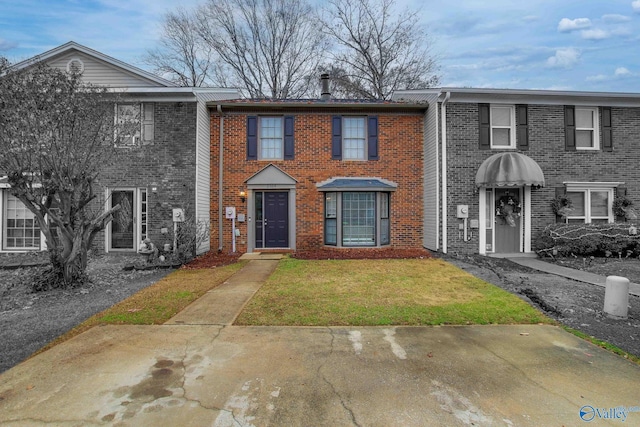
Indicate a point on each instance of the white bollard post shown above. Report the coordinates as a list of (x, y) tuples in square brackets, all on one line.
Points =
[(616, 297)]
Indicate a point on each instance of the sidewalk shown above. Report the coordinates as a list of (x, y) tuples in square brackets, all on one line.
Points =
[(570, 273)]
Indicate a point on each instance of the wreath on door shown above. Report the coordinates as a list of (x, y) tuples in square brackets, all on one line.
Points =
[(508, 208)]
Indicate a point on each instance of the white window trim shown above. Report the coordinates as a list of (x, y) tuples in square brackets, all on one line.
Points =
[(340, 225), (587, 187), (596, 128), (366, 140), (260, 156), (512, 128), (137, 217), (141, 137)]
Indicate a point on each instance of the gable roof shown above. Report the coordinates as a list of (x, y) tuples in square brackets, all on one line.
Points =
[(146, 78)]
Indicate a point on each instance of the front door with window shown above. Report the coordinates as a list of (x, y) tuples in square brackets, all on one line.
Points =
[(272, 219), (122, 226), (129, 226), (508, 225)]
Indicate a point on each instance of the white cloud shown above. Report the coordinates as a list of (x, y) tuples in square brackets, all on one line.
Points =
[(636, 5), (564, 58), (619, 73), (566, 25), (7, 44), (594, 34), (598, 78), (613, 18)]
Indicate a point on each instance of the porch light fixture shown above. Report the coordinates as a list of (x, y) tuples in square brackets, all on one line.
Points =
[(243, 196)]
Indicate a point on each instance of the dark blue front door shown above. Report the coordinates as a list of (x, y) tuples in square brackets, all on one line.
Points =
[(272, 219)]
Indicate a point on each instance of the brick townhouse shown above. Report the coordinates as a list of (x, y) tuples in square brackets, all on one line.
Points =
[(495, 159), (163, 166), (304, 174)]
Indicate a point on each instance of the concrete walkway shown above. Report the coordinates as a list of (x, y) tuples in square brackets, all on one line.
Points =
[(198, 370), (579, 275)]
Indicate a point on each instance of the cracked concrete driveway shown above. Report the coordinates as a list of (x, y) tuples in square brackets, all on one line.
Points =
[(208, 375)]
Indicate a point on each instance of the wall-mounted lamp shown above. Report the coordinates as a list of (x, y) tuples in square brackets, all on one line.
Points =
[(243, 196)]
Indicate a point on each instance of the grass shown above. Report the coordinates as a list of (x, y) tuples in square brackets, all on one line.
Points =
[(157, 303), (603, 344), (389, 292)]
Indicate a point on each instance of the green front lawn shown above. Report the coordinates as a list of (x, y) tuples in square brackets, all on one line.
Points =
[(381, 292)]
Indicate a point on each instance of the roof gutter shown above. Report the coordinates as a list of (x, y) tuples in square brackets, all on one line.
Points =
[(220, 178)]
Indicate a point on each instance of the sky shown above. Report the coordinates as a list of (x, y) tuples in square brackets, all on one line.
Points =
[(582, 45)]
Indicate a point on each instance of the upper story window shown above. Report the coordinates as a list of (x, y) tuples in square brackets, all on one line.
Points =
[(503, 126), (354, 137), (583, 128), (135, 124), (503, 129), (270, 137), (587, 128)]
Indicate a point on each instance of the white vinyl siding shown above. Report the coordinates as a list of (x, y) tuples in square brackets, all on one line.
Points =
[(203, 177), (101, 73)]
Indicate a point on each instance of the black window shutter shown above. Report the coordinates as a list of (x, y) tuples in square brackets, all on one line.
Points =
[(252, 138), (372, 134), (607, 137), (522, 127), (288, 138), (484, 121), (336, 137), (560, 191), (569, 128)]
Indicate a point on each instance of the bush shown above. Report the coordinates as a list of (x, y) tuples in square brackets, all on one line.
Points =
[(588, 240)]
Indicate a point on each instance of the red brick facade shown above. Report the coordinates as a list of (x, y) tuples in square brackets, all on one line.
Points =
[(400, 161)]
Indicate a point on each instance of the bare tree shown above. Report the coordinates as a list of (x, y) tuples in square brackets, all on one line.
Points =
[(182, 57), (57, 135), (269, 46), (378, 49)]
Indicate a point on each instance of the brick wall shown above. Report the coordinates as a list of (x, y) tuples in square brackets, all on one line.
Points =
[(400, 161), (547, 148), (168, 164)]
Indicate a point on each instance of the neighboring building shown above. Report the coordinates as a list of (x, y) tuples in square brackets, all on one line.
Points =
[(307, 174), (164, 165), (488, 151)]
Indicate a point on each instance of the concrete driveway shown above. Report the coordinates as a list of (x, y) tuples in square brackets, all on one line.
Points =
[(198, 370), (215, 375)]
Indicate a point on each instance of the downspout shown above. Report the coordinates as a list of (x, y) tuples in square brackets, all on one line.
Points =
[(443, 118), (220, 177)]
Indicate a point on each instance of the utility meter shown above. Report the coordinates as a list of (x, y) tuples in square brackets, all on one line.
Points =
[(462, 211), (178, 215)]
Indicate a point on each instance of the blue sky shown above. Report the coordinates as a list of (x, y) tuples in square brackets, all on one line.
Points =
[(587, 45)]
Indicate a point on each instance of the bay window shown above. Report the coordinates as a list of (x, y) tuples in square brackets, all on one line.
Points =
[(357, 218)]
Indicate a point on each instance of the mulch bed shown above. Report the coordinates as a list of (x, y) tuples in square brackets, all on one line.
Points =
[(362, 253)]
